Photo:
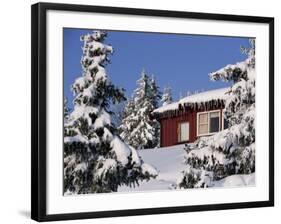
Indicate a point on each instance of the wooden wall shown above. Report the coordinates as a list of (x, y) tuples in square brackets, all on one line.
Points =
[(169, 127)]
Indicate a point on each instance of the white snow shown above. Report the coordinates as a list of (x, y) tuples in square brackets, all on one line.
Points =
[(135, 156), (101, 75), (76, 138), (217, 94), (171, 106), (82, 111), (121, 149), (146, 168), (206, 96), (228, 69), (107, 135), (78, 85), (81, 166), (108, 164), (102, 120), (236, 181), (169, 163), (207, 152)]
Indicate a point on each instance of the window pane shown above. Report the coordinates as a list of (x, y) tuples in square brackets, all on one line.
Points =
[(203, 124), (203, 129), (214, 124), (183, 132), (203, 118)]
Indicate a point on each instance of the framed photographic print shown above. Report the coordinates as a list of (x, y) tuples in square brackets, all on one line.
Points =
[(138, 111)]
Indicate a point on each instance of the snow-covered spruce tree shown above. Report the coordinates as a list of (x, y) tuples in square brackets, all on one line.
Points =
[(138, 128), (231, 151), (65, 110), (155, 94), (155, 97), (167, 96), (95, 158), (129, 122)]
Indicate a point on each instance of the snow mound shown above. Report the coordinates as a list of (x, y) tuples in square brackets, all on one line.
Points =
[(168, 161), (236, 181)]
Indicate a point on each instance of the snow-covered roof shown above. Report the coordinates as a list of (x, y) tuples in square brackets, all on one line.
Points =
[(203, 97)]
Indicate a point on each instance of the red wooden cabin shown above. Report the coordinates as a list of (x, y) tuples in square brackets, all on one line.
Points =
[(192, 117)]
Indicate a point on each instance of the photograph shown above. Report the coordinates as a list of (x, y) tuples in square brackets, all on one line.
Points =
[(140, 111), (154, 111)]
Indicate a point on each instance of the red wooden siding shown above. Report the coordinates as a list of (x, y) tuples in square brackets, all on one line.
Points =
[(169, 127)]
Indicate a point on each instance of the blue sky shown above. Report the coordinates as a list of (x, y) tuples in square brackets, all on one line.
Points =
[(182, 62)]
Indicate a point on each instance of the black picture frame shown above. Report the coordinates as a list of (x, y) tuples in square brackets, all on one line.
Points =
[(39, 122)]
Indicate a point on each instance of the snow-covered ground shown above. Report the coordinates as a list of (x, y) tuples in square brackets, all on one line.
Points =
[(169, 163), (236, 181)]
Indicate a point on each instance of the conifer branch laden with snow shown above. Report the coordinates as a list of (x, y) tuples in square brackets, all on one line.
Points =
[(231, 151), (138, 128), (95, 158)]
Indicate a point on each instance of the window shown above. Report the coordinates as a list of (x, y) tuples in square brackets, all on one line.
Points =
[(208, 122), (203, 124), (214, 122), (183, 132)]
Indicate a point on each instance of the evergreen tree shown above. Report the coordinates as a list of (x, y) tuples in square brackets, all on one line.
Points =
[(167, 96), (155, 93), (155, 98), (138, 128), (129, 122), (65, 109), (95, 159), (231, 151)]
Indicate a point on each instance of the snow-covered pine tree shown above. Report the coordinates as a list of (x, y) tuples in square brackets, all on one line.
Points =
[(155, 98), (155, 94), (65, 110), (129, 122), (166, 96), (138, 128), (231, 151), (95, 158)]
